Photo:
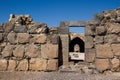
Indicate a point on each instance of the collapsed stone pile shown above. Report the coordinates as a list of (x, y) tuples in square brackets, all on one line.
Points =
[(103, 41), (26, 45)]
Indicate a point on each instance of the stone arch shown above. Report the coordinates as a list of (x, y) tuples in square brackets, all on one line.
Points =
[(75, 41)]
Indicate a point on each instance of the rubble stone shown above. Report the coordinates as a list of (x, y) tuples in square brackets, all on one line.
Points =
[(12, 65), (116, 49), (88, 42), (23, 65), (115, 63), (11, 38), (102, 64), (3, 65), (104, 51), (20, 29), (49, 51), (100, 30), (1, 36), (23, 37), (90, 55), (54, 65), (38, 64)]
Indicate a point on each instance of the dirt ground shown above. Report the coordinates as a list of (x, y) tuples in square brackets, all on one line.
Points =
[(56, 76)]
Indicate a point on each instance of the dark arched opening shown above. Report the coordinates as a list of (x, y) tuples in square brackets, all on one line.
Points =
[(75, 41)]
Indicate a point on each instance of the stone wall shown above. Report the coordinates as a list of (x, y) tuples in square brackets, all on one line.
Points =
[(103, 41), (27, 46)]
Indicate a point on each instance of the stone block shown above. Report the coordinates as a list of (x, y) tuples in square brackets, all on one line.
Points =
[(104, 51), (89, 41), (54, 39), (90, 55), (23, 37), (49, 51), (100, 30), (102, 64), (52, 65), (23, 65), (113, 28), (19, 51), (63, 30), (11, 37), (7, 51), (116, 49), (20, 29), (111, 38), (115, 64), (12, 65), (1, 36), (89, 30), (3, 65), (37, 64), (40, 39), (99, 39), (32, 51), (8, 27)]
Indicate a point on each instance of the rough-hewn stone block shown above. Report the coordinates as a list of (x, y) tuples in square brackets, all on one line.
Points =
[(102, 64), (20, 29), (11, 38), (3, 65), (37, 64), (104, 51), (32, 51), (89, 30), (23, 65), (116, 49), (111, 38), (99, 39), (40, 38), (63, 30), (113, 28), (90, 55), (88, 42), (115, 63), (49, 51), (7, 51), (100, 30), (8, 27), (52, 65), (23, 37), (1, 36), (12, 65), (19, 51), (54, 39)]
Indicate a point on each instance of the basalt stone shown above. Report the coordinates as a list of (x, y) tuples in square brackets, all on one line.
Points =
[(20, 29)]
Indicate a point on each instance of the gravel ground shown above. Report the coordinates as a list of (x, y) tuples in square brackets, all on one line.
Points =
[(56, 76)]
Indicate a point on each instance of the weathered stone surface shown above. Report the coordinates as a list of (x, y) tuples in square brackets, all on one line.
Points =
[(20, 29), (49, 51), (38, 28), (104, 51), (88, 42), (113, 28), (52, 65), (23, 65), (32, 51), (12, 65), (102, 64), (99, 39), (23, 37), (37, 64), (89, 30), (100, 30), (115, 63), (111, 38), (1, 36), (3, 65), (42, 38), (90, 55), (93, 22), (8, 27), (116, 49), (63, 30), (19, 51), (11, 38), (8, 50), (54, 39)]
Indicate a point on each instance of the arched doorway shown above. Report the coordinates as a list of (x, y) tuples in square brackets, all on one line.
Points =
[(79, 42)]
